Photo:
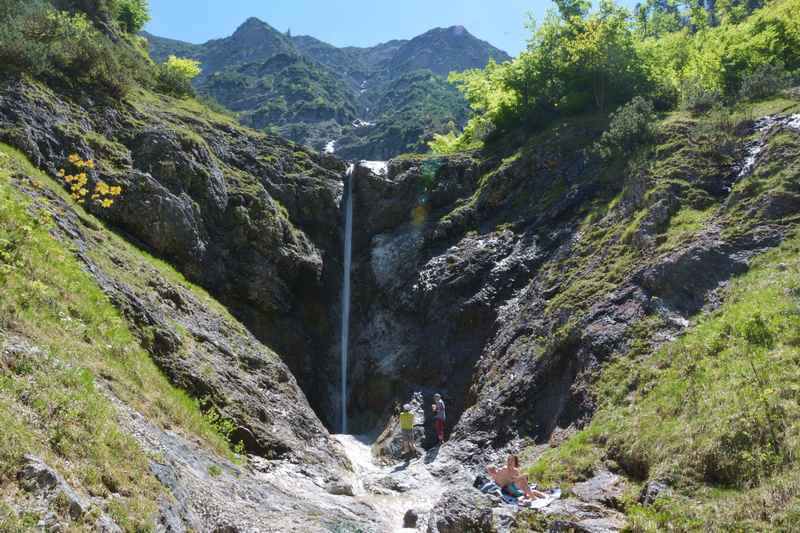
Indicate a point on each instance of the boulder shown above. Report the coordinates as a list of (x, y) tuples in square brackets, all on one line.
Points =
[(389, 444), (410, 519), (651, 491), (38, 478), (340, 488), (571, 515), (462, 511), (604, 488)]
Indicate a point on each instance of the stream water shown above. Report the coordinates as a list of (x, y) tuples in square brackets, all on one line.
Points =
[(756, 146), (392, 490)]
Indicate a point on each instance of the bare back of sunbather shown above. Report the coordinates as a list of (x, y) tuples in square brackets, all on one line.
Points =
[(503, 476)]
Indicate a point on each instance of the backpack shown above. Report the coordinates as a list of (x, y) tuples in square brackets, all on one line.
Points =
[(480, 481)]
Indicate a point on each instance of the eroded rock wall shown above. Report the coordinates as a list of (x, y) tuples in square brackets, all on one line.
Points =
[(505, 283), (252, 218)]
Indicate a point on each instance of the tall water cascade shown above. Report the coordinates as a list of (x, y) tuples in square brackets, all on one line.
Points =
[(347, 204)]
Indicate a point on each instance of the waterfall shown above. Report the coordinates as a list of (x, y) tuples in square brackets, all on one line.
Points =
[(347, 204)]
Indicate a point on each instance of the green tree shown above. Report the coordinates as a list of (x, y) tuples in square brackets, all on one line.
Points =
[(132, 15), (176, 74)]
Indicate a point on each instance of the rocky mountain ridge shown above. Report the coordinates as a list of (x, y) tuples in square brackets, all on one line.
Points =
[(375, 102)]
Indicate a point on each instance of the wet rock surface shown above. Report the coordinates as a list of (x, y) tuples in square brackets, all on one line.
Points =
[(214, 494)]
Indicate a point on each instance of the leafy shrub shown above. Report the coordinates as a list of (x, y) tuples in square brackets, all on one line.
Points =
[(64, 48), (445, 143), (631, 126), (176, 74), (766, 80), (716, 133), (131, 15), (698, 98)]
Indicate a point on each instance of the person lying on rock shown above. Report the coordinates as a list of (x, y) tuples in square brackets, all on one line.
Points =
[(407, 429), (512, 481)]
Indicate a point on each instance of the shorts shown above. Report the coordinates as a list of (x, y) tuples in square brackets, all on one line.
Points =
[(407, 435), (512, 490)]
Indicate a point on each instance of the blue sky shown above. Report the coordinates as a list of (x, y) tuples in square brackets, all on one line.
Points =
[(349, 22)]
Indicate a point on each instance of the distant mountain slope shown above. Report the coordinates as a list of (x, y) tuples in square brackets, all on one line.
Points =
[(161, 48), (350, 63), (375, 102), (442, 50)]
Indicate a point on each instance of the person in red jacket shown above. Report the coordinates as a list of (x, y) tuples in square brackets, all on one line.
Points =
[(439, 416)]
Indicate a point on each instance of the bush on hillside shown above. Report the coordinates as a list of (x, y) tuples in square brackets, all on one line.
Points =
[(65, 48), (131, 15), (631, 126), (697, 98), (765, 81), (175, 76), (716, 132)]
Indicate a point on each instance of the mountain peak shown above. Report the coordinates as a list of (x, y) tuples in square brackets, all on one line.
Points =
[(454, 31), (253, 25)]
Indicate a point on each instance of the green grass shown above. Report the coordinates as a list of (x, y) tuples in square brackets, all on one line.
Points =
[(715, 412), (684, 225), (51, 403)]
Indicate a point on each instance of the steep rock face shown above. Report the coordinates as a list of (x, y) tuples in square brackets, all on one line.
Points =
[(506, 285), (200, 347), (250, 217)]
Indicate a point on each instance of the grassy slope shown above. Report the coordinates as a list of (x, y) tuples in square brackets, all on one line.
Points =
[(714, 413), (50, 404)]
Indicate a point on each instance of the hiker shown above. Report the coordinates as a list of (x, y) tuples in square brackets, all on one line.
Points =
[(512, 481), (439, 416), (407, 430)]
